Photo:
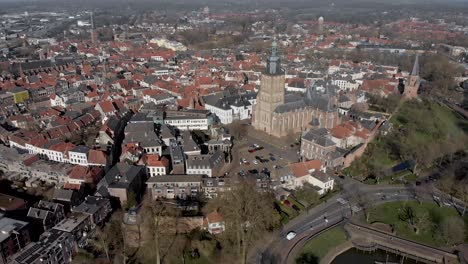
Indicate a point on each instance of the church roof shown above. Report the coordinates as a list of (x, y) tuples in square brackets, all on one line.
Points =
[(319, 136), (311, 100), (288, 107)]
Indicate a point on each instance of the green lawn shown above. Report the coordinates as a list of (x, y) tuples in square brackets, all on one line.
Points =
[(389, 213), (296, 203), (318, 247)]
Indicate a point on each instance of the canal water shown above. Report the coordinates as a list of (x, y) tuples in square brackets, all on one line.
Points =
[(362, 257)]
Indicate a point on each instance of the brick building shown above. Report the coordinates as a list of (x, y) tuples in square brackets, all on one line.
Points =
[(278, 114)]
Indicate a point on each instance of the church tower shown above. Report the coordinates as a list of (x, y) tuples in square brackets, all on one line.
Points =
[(271, 92), (413, 82)]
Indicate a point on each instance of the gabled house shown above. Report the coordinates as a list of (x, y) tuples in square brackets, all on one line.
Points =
[(120, 180), (311, 172), (143, 135), (155, 165), (106, 109), (46, 214), (205, 164), (214, 223), (98, 208)]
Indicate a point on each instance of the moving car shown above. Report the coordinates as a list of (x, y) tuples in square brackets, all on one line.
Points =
[(290, 235)]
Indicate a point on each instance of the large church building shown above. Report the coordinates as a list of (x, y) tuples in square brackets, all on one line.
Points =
[(278, 114)]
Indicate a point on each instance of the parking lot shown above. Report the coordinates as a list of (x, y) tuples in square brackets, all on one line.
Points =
[(256, 161), (275, 152)]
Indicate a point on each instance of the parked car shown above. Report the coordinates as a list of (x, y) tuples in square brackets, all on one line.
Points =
[(252, 150)]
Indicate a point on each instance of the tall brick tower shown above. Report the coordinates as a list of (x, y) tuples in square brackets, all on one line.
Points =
[(413, 82), (271, 92)]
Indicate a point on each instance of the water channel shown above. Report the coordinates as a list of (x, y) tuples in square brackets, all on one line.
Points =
[(354, 255)]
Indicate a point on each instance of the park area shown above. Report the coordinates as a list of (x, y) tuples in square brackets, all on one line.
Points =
[(319, 247), (422, 132), (425, 222)]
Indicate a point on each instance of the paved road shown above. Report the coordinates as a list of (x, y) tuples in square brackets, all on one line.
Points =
[(281, 250)]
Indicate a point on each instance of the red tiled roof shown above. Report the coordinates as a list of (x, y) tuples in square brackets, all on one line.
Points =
[(340, 132), (78, 172), (62, 147), (214, 217), (302, 168), (153, 160), (107, 106), (31, 160), (97, 157), (71, 186)]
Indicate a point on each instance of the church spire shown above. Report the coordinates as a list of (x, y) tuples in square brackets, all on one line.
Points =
[(415, 71), (274, 62), (274, 48)]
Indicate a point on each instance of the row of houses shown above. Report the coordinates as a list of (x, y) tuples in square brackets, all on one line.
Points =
[(62, 152), (57, 236)]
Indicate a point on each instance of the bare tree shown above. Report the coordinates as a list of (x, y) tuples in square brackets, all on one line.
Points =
[(102, 243), (110, 240), (363, 201), (238, 130), (447, 183), (160, 221), (248, 214)]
